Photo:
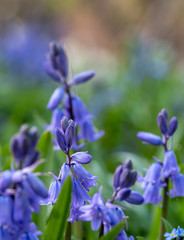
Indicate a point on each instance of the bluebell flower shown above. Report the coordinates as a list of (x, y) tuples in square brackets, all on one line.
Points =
[(79, 195), (95, 211), (171, 235), (170, 166), (57, 115), (178, 183), (85, 178), (73, 107), (152, 194), (75, 213), (153, 175)]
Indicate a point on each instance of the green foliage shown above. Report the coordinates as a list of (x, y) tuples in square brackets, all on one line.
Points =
[(167, 224), (57, 221), (140, 238), (113, 233)]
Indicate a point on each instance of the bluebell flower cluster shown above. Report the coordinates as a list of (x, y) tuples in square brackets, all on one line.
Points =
[(21, 190), (179, 232), (159, 173), (82, 180), (57, 67), (107, 215)]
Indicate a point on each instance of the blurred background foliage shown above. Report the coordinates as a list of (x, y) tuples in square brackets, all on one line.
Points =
[(136, 48)]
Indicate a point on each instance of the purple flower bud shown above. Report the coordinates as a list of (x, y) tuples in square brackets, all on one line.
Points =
[(59, 59), (70, 134), (170, 166), (81, 157), (127, 178), (117, 177), (128, 164), (82, 77), (150, 138), (123, 194), (5, 180), (51, 72), (64, 123), (56, 98), (172, 126), (33, 136), (37, 185), (135, 198), (61, 140), (165, 114), (162, 124), (31, 158)]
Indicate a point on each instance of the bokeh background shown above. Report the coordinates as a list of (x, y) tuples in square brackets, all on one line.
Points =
[(136, 49)]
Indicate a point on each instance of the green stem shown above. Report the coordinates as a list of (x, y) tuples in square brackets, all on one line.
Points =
[(164, 211), (68, 231), (101, 231)]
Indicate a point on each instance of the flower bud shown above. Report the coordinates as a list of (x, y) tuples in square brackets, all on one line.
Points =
[(135, 198), (123, 194), (60, 140), (162, 123), (55, 98), (173, 124), (150, 138), (82, 77)]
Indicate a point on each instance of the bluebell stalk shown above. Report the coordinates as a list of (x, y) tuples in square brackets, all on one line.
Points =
[(82, 180), (72, 107), (21, 191), (160, 173), (106, 215)]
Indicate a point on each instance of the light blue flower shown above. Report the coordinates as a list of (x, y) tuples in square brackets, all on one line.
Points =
[(171, 235)]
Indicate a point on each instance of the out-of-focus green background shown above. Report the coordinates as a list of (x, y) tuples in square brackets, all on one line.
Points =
[(136, 49)]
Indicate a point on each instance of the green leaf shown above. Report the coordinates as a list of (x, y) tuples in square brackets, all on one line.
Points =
[(44, 143), (113, 233), (45, 146), (167, 224), (56, 223)]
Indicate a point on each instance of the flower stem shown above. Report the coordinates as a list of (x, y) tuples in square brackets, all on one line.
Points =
[(164, 211), (101, 231), (68, 231)]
